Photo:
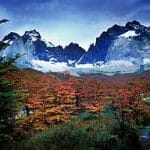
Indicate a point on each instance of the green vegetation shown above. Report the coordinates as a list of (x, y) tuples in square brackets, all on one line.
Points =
[(7, 99), (101, 133)]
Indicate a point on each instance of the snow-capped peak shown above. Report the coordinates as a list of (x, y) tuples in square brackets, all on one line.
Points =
[(11, 37), (119, 49), (32, 35), (133, 25)]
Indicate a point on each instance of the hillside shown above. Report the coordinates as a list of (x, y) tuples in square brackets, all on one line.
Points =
[(49, 98)]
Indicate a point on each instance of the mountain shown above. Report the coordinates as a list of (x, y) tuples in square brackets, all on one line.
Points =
[(119, 42), (70, 54), (99, 50), (17, 45), (33, 47), (120, 49)]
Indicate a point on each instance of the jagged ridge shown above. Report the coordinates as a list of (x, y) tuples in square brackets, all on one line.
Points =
[(125, 46)]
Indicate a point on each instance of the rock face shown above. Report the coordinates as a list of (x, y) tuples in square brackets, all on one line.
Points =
[(119, 49), (99, 50), (32, 46), (70, 54), (17, 45), (122, 49), (120, 42)]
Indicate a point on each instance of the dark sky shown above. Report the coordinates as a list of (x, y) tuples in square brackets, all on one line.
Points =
[(64, 21)]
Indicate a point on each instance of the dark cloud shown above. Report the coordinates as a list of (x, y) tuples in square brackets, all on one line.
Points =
[(72, 19), (88, 8)]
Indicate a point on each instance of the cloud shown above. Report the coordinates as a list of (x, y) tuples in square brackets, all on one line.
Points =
[(64, 21), (4, 14)]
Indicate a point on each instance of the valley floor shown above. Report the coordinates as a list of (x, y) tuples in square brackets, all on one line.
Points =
[(65, 112)]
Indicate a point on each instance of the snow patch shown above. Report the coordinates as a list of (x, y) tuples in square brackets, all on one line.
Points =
[(84, 66), (34, 38), (52, 59), (146, 61), (46, 66), (89, 66), (71, 62), (120, 66), (129, 34)]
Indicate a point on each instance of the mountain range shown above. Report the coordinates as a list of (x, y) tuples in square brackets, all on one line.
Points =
[(120, 49)]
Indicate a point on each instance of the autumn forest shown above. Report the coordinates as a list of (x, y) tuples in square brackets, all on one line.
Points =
[(57, 105)]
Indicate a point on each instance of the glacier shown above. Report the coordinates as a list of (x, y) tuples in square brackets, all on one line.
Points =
[(129, 33)]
